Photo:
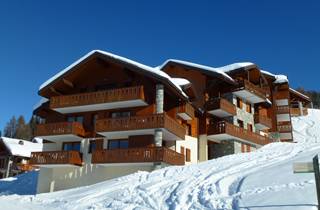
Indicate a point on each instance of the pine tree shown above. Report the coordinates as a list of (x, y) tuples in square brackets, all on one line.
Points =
[(11, 128)]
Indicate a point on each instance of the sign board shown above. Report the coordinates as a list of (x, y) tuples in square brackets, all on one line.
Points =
[(303, 167)]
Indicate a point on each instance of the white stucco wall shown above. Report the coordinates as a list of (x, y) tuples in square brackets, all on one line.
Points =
[(189, 143), (64, 177)]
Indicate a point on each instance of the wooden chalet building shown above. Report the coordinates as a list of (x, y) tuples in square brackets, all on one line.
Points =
[(106, 116)]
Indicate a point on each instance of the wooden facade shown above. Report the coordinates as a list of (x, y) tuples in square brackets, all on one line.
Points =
[(102, 96)]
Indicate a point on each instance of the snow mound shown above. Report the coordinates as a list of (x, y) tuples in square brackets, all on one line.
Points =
[(306, 129)]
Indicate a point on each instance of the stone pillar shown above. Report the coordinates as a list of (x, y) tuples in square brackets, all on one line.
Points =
[(300, 108), (159, 98), (159, 109), (203, 148), (85, 143), (158, 134)]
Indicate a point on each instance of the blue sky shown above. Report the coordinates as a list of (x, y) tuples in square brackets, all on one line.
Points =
[(39, 38)]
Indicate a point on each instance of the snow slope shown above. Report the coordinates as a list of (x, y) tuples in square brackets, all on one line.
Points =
[(258, 180)]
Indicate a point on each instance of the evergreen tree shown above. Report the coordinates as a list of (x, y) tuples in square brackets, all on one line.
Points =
[(23, 130), (11, 128)]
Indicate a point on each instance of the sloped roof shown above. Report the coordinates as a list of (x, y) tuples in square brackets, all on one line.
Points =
[(22, 148), (299, 94), (205, 69), (278, 78), (160, 75)]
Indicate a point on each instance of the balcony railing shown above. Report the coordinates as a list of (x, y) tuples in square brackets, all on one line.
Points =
[(223, 104), (63, 128), (258, 91), (56, 157), (262, 119), (284, 128), (114, 95), (297, 111), (138, 155), (187, 109), (241, 133), (283, 110), (141, 122)]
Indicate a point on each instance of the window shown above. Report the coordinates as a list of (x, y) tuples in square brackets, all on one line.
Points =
[(94, 119), (240, 122), (118, 144), (120, 114), (182, 150), (75, 119), (188, 155), (250, 127), (239, 103), (92, 146), (249, 108), (71, 146)]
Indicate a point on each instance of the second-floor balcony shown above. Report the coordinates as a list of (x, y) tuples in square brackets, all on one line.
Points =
[(66, 131), (186, 111), (56, 158), (250, 92), (101, 100), (298, 112), (138, 155), (262, 122), (221, 107), (225, 131), (117, 128)]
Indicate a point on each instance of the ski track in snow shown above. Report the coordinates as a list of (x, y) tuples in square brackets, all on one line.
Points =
[(214, 184)]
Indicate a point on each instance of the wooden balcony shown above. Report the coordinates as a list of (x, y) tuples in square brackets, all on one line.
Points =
[(141, 125), (295, 112), (221, 107), (186, 111), (262, 122), (250, 92), (60, 131), (56, 158), (226, 131), (284, 128), (138, 155), (102, 100), (283, 109)]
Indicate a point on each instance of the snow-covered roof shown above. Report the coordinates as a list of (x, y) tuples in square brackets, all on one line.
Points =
[(299, 94), (181, 81), (18, 147), (279, 78), (140, 66), (235, 66), (218, 71), (41, 101)]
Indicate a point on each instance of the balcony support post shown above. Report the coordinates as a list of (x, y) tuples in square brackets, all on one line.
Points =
[(300, 108), (203, 147), (84, 149), (159, 110)]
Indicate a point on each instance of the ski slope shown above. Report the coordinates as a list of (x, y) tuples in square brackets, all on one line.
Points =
[(258, 180)]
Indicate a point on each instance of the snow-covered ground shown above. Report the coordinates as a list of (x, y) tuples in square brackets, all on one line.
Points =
[(257, 180)]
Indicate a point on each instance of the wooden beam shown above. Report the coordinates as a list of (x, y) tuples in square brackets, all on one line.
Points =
[(68, 83), (55, 91)]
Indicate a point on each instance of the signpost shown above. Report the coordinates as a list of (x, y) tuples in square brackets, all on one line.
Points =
[(310, 167)]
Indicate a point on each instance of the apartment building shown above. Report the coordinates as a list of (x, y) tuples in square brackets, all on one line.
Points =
[(106, 116)]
